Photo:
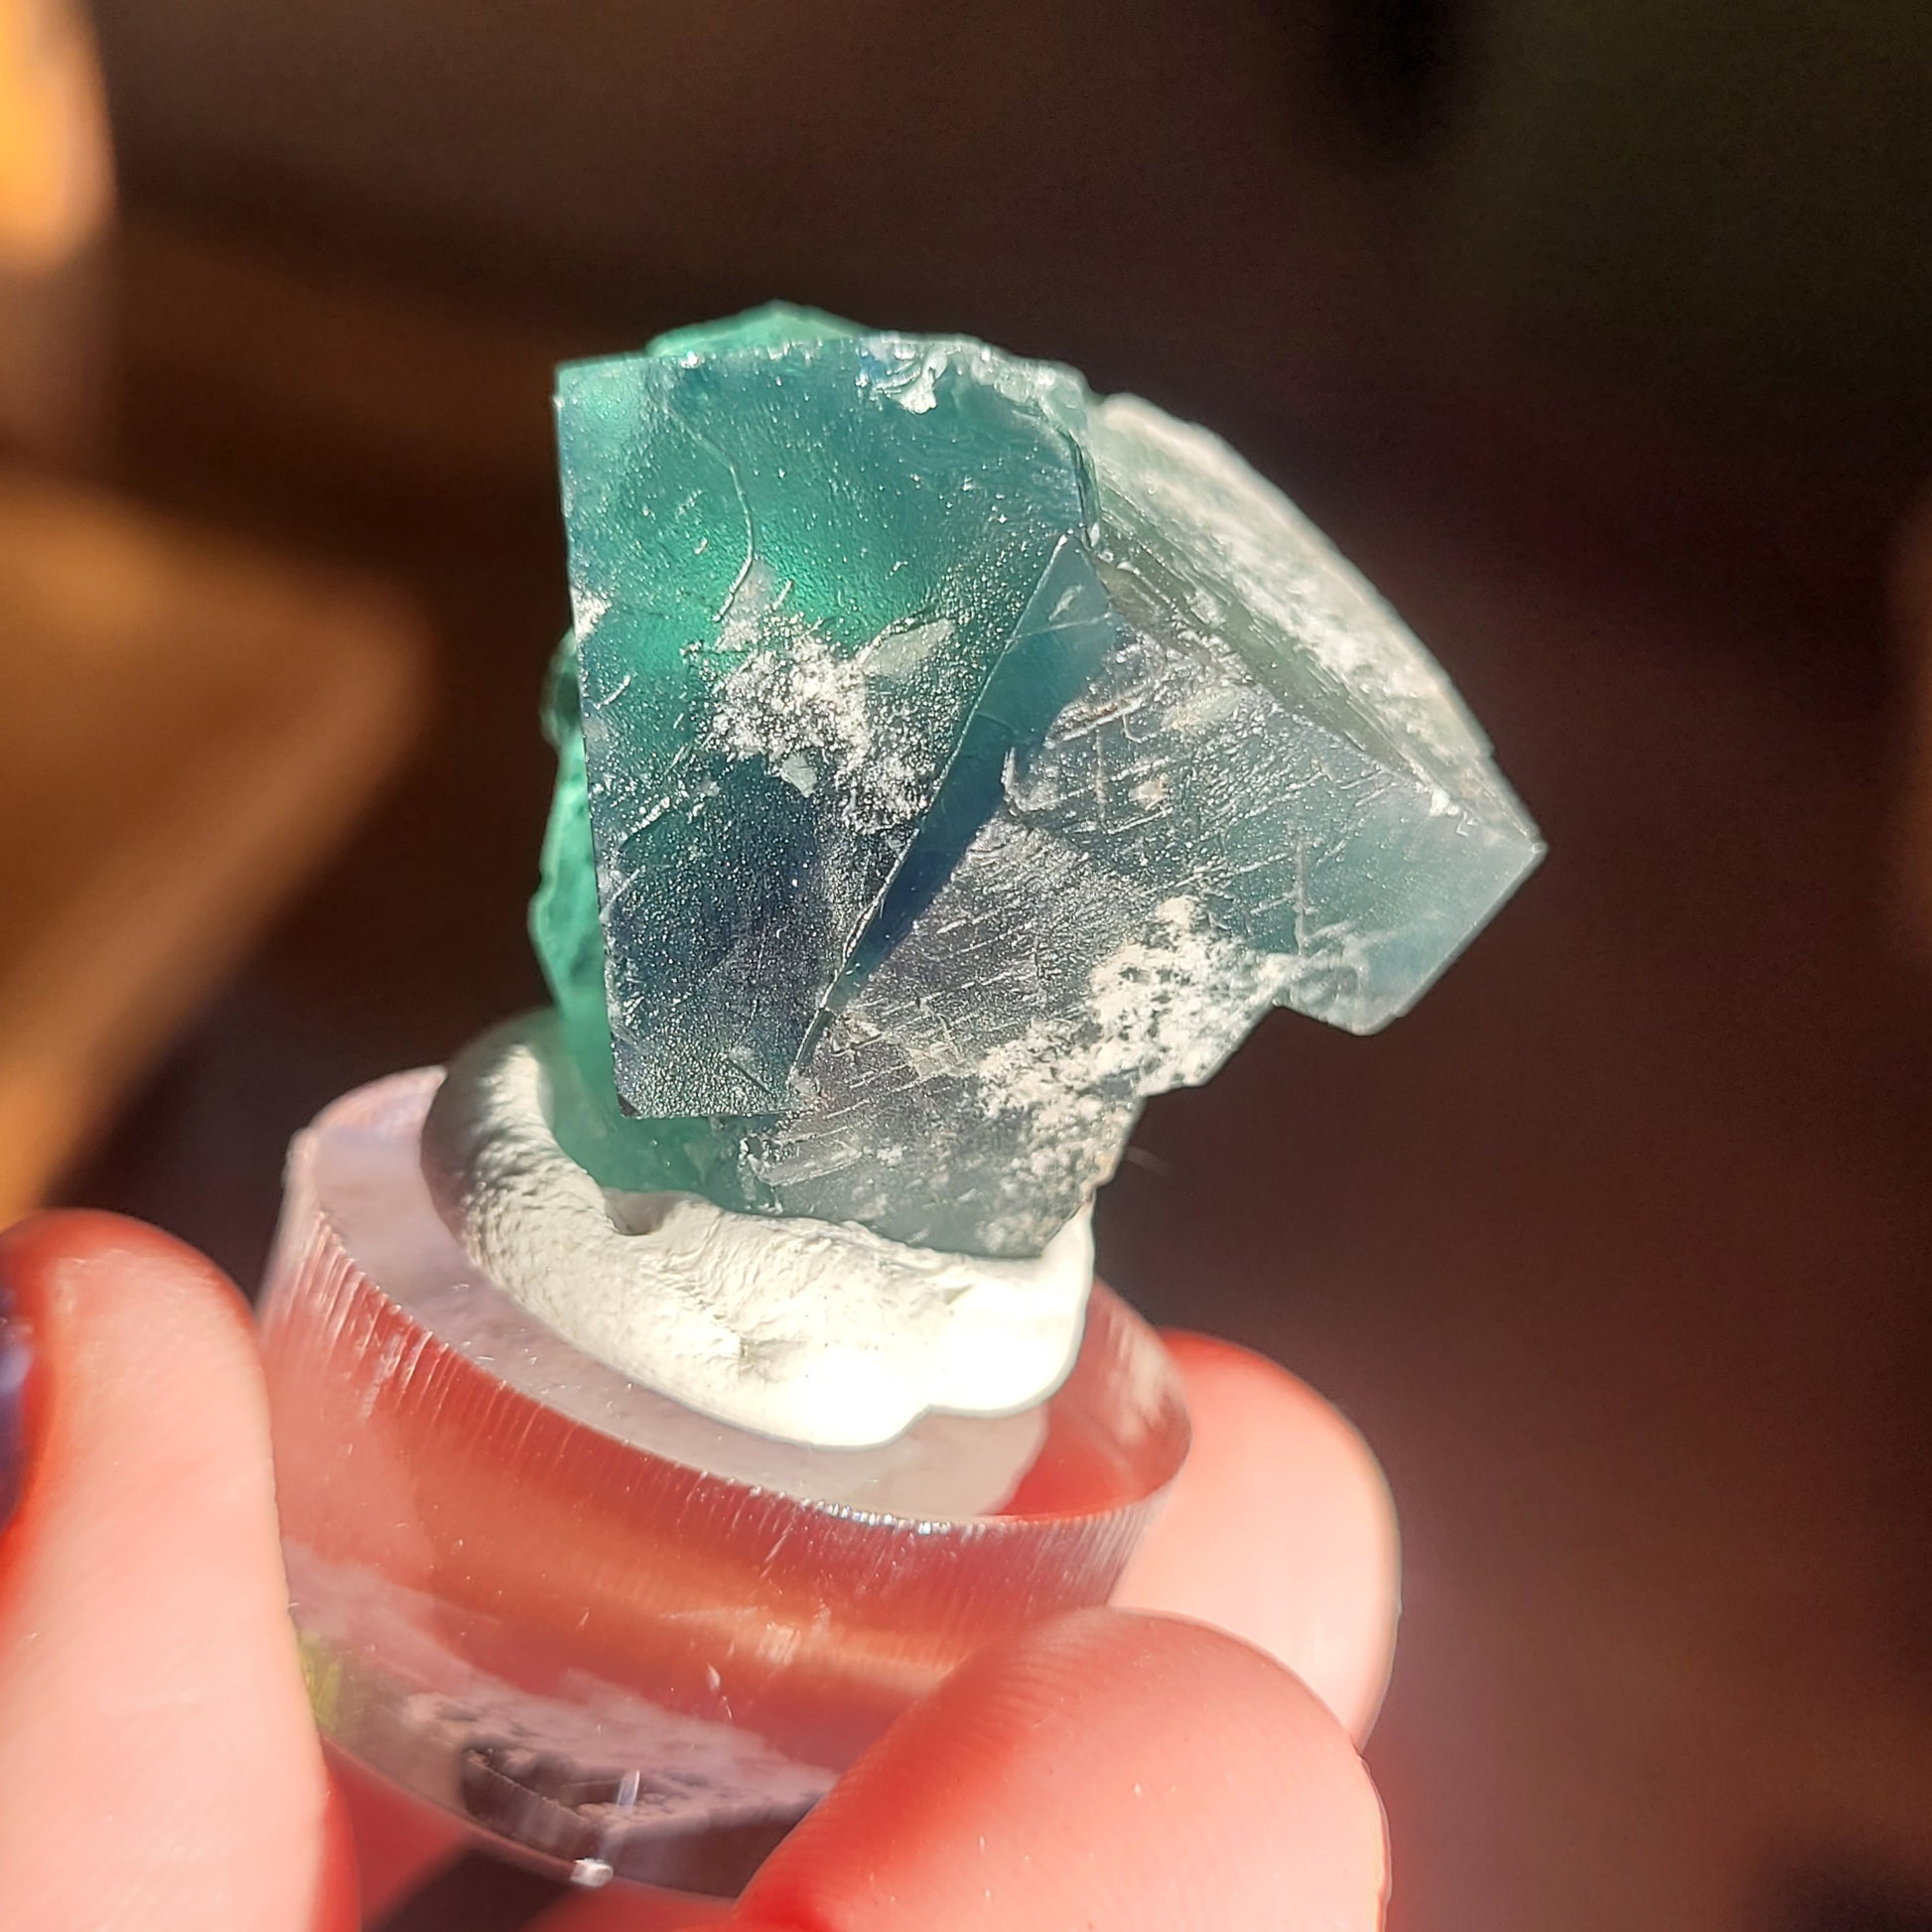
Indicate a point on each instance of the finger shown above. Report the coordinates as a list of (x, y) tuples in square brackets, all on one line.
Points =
[(1117, 1773), (160, 1770), (1280, 1529), (1114, 1772), (339, 1889)]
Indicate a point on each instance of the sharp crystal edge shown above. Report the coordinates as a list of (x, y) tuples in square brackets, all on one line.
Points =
[(949, 759)]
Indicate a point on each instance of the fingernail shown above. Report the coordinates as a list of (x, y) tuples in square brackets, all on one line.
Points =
[(15, 1354)]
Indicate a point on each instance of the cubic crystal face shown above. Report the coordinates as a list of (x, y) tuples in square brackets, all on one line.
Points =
[(949, 759)]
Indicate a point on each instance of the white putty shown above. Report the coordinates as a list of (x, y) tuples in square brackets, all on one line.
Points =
[(812, 1332)]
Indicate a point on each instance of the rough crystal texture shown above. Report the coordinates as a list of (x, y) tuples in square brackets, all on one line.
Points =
[(795, 567), (949, 759)]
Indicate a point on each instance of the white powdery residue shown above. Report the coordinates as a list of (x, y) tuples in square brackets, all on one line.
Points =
[(811, 713), (757, 602), (1162, 1011), (588, 610), (1184, 996)]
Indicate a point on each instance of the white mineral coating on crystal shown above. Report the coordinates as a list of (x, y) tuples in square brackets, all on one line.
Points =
[(1092, 993), (821, 721), (811, 1332), (1268, 793), (1203, 770), (1303, 768)]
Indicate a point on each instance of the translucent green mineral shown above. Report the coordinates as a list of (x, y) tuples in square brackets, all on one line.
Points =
[(950, 759)]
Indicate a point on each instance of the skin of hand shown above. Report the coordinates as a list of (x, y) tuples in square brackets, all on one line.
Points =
[(1181, 1762)]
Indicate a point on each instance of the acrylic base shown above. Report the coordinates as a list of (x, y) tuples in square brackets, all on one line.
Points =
[(613, 1637)]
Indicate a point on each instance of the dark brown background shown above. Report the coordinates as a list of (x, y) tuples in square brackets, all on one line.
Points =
[(1596, 336)]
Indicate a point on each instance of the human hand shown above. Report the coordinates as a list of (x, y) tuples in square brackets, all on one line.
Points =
[(1166, 1764)]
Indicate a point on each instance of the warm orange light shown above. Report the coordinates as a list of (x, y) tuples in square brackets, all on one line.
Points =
[(56, 179)]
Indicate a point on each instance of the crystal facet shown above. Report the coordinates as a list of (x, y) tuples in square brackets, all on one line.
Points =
[(949, 759)]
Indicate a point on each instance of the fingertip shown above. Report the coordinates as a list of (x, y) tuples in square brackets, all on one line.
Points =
[(46, 1258), (1116, 1771), (339, 1893), (159, 1750), (1280, 1529)]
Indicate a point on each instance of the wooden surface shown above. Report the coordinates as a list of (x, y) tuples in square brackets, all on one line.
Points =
[(185, 726)]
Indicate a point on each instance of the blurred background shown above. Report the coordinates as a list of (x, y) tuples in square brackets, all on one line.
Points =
[(1598, 332)]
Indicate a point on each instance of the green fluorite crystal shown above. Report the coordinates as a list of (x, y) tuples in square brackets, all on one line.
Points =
[(949, 759)]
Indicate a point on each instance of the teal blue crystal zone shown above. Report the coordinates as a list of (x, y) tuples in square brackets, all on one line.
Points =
[(949, 759), (796, 567)]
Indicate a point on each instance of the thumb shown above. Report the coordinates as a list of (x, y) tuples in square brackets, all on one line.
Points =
[(1119, 1772), (160, 1770)]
